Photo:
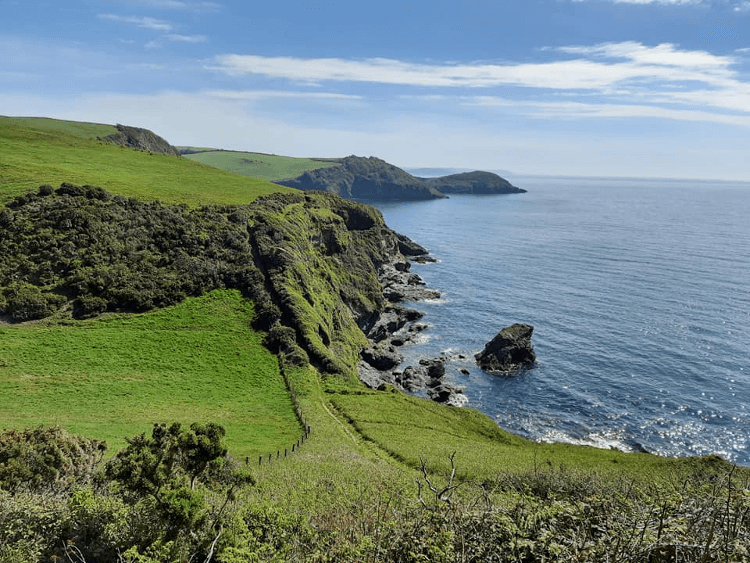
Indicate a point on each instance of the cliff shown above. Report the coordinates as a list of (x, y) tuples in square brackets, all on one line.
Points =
[(373, 179), (311, 263)]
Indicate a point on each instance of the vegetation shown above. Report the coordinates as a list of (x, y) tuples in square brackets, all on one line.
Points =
[(112, 377), (256, 165), (43, 151), (191, 336)]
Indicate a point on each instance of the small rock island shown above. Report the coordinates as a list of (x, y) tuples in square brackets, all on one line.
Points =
[(509, 351)]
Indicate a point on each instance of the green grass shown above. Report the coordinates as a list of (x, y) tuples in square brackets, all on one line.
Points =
[(43, 151), (257, 165), (114, 377), (411, 429)]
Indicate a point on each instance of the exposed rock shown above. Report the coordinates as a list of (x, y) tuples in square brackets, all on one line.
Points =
[(392, 319), (412, 379), (140, 139), (383, 358), (510, 350), (399, 285), (435, 368), (448, 394)]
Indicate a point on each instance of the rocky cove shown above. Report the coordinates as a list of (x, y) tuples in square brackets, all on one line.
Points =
[(380, 364)]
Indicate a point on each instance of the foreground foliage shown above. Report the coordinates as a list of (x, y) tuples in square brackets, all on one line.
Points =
[(177, 496)]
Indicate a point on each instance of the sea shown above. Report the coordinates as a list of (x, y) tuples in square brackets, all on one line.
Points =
[(639, 294)]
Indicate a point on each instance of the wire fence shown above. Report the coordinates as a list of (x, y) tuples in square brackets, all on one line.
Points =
[(298, 413)]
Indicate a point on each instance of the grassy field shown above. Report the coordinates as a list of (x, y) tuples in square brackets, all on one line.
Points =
[(114, 377), (256, 165), (44, 151)]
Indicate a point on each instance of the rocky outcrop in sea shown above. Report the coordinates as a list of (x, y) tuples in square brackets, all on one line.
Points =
[(509, 351), (396, 326)]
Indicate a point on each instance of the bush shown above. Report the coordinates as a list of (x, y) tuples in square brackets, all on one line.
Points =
[(26, 302), (47, 456)]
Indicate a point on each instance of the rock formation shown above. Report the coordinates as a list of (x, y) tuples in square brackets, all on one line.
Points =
[(509, 351), (140, 139)]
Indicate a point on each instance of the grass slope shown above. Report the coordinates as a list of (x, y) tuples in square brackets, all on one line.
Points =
[(256, 165), (44, 151), (114, 377)]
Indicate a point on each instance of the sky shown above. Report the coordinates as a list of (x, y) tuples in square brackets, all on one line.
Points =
[(634, 88)]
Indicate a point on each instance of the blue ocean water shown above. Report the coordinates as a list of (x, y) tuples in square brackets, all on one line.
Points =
[(639, 292)]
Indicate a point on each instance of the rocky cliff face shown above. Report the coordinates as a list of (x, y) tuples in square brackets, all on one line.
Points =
[(373, 179), (140, 139)]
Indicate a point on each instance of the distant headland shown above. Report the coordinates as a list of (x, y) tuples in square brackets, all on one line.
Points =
[(373, 179)]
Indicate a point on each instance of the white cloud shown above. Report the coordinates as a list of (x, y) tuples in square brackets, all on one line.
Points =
[(635, 62), (734, 5), (580, 110), (186, 38), (143, 22)]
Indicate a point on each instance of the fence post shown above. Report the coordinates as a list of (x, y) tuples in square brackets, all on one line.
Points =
[(260, 460)]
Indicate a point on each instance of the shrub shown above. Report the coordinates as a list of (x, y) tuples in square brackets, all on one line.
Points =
[(25, 302), (46, 456)]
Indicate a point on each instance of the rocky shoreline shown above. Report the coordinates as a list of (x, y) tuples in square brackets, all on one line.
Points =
[(379, 364)]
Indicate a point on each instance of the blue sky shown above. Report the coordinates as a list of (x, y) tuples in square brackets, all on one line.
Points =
[(648, 88)]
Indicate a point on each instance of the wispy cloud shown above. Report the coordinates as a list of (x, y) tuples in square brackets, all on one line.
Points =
[(579, 110), (733, 5), (591, 69), (609, 80), (180, 5), (270, 94), (186, 38), (142, 22)]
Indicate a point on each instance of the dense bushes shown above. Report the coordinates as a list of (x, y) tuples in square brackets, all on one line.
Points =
[(176, 496), (109, 253)]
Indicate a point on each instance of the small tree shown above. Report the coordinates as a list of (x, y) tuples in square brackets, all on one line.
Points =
[(168, 468)]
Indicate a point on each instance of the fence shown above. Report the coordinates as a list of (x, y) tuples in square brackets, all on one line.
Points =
[(298, 413)]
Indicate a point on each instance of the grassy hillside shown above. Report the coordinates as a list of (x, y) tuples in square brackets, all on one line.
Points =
[(382, 477), (114, 377), (44, 151), (255, 165)]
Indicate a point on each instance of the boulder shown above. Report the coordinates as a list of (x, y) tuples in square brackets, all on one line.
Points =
[(383, 358), (509, 351)]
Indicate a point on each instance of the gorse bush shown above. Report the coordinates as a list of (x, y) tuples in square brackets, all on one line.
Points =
[(176, 496), (46, 458)]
